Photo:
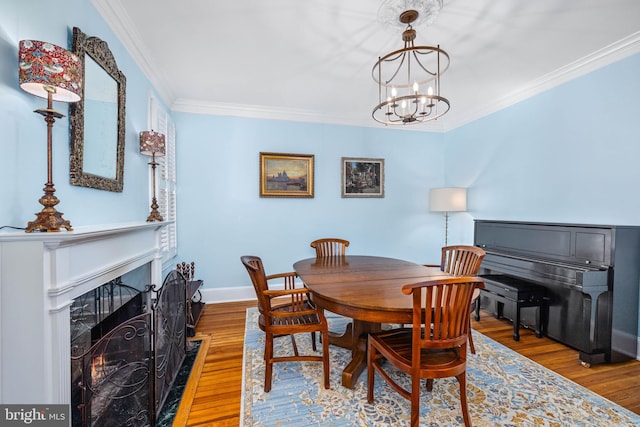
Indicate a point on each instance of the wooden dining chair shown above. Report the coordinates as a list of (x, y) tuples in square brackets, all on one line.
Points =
[(329, 250), (463, 260), (286, 312), (330, 247), (434, 347)]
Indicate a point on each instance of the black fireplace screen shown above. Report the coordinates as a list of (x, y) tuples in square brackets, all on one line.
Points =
[(170, 313), (115, 382), (126, 374)]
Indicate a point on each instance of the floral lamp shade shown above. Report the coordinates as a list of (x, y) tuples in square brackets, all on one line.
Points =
[(46, 69), (152, 143)]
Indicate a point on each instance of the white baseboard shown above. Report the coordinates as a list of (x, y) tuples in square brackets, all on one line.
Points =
[(231, 294), (237, 293)]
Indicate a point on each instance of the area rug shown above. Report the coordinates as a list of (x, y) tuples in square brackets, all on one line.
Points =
[(503, 389)]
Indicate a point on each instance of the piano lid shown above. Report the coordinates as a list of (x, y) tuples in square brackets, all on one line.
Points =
[(565, 244), (583, 278), (578, 256)]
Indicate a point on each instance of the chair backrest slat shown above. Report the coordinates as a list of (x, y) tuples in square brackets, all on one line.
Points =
[(255, 268), (330, 247), (461, 260), (445, 304)]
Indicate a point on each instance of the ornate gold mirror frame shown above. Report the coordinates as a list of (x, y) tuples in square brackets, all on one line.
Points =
[(97, 121)]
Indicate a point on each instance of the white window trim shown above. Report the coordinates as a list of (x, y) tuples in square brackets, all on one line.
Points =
[(160, 121)]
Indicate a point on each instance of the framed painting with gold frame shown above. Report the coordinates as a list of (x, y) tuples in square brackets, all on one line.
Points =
[(286, 175)]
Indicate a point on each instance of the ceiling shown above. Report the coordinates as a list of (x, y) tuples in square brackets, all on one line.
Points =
[(311, 60)]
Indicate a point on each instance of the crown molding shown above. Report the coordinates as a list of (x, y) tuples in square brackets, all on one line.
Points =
[(293, 115), (118, 20), (621, 49)]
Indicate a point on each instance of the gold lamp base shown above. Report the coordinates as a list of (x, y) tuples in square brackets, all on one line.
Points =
[(48, 219), (154, 215)]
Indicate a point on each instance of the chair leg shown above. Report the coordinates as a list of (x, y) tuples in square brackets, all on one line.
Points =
[(295, 346), (313, 341), (430, 384), (462, 379), (370, 372), (471, 346), (325, 360), (415, 400), (268, 362)]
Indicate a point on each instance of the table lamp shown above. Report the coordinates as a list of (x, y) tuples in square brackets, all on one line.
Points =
[(153, 144), (447, 199), (51, 72)]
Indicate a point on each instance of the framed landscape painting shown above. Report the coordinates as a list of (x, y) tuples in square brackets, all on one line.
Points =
[(286, 175), (362, 177)]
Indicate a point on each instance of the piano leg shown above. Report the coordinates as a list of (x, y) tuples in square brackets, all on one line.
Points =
[(595, 355)]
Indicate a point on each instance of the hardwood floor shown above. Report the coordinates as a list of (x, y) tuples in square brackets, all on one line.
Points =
[(217, 397)]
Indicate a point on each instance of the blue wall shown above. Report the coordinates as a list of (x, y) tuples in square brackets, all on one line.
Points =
[(567, 155), (221, 216), (23, 162)]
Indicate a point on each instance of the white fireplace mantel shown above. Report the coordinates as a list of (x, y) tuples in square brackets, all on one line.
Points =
[(40, 275)]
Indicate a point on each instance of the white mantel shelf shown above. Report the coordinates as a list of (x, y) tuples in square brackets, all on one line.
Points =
[(40, 275), (80, 233)]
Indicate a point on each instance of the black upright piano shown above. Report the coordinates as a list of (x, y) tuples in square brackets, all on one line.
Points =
[(591, 274)]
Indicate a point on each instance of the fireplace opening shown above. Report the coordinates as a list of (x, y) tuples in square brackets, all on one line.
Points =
[(95, 314), (98, 311), (126, 340)]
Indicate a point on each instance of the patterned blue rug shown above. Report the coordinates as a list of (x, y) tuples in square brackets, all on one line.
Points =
[(503, 389)]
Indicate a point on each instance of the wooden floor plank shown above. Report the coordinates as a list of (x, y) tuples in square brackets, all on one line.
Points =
[(217, 397)]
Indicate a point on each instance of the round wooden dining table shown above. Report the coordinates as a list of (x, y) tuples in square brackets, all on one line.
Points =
[(367, 289)]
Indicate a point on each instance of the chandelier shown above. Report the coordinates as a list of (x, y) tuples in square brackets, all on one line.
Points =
[(409, 80)]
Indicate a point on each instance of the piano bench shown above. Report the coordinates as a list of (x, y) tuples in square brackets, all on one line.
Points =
[(514, 294)]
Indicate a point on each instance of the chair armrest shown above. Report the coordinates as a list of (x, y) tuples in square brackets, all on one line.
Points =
[(298, 302), (282, 275), (284, 292)]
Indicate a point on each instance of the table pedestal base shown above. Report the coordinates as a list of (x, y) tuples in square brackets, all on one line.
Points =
[(355, 338)]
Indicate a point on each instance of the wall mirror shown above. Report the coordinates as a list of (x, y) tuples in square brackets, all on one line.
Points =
[(97, 121)]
